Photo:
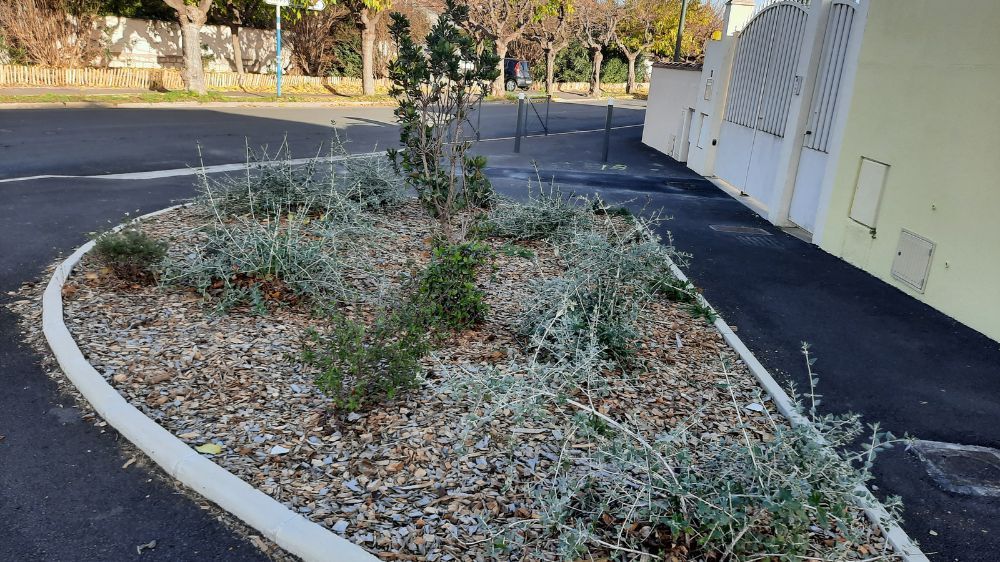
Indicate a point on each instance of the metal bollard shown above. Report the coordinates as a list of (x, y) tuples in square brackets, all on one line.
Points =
[(548, 99), (520, 119), (479, 117), (607, 128)]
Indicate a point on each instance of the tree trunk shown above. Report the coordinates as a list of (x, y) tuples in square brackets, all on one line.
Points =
[(550, 63), (194, 73), (499, 85), (595, 78), (368, 22), (237, 48), (630, 84)]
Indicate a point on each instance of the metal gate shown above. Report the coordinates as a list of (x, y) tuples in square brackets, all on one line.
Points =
[(824, 110), (760, 93)]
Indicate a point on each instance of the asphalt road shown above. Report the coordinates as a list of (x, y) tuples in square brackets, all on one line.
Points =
[(104, 141), (64, 496)]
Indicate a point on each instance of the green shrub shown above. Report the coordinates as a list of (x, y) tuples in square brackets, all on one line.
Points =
[(573, 64), (274, 183), (130, 254), (283, 260), (446, 290), (547, 213), (371, 181), (478, 190), (358, 366)]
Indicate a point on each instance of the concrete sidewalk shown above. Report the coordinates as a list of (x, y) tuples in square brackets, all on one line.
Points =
[(880, 352)]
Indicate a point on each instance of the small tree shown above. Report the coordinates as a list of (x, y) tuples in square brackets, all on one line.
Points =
[(500, 22), (553, 28), (192, 14), (597, 22), (436, 86), (636, 33)]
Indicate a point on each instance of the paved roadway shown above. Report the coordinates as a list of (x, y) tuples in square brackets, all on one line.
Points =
[(64, 496)]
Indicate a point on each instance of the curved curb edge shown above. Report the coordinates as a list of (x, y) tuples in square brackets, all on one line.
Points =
[(288, 529), (876, 513)]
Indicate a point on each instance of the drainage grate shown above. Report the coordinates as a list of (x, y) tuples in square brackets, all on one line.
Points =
[(736, 229), (963, 469), (761, 241)]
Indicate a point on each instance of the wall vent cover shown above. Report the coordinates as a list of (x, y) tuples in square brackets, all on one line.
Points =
[(913, 260)]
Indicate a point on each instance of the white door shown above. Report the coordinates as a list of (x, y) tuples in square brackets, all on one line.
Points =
[(824, 112), (760, 93)]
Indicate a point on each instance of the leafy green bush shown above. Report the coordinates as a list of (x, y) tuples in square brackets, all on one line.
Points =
[(573, 64), (358, 367), (614, 70), (478, 190), (446, 290), (130, 254)]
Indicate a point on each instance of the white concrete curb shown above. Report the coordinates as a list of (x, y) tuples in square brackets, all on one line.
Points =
[(876, 513), (288, 529)]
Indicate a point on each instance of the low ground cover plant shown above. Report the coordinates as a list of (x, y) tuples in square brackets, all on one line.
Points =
[(131, 254), (284, 259)]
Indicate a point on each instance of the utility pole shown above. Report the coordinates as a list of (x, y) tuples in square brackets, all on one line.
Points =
[(680, 31)]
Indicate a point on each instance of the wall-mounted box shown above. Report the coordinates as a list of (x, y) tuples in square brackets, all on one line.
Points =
[(912, 263)]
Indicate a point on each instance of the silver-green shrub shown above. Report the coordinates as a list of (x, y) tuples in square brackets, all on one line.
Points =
[(548, 213)]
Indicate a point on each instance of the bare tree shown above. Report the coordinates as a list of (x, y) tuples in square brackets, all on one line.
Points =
[(191, 15), (636, 32), (60, 33), (500, 21), (314, 36), (596, 30), (553, 29)]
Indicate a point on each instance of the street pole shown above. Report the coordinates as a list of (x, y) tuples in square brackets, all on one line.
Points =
[(680, 31), (607, 128), (277, 29)]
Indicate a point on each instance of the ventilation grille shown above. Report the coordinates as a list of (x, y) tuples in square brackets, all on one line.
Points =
[(913, 260)]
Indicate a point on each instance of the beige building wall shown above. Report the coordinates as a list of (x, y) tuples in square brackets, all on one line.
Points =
[(926, 103), (670, 109)]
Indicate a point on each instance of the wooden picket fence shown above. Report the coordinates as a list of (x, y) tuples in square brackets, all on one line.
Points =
[(158, 79), (169, 79)]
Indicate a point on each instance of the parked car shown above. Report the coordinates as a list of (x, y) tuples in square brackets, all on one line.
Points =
[(517, 74)]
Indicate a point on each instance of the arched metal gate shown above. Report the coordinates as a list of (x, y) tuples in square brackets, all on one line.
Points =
[(760, 93), (762, 88)]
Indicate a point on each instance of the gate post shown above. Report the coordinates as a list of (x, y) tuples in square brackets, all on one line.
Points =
[(780, 201)]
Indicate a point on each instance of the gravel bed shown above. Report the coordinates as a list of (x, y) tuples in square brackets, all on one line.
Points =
[(405, 480)]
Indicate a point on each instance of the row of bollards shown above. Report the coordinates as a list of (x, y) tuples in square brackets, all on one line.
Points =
[(522, 115)]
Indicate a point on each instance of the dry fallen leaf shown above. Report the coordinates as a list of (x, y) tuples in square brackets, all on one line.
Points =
[(209, 449)]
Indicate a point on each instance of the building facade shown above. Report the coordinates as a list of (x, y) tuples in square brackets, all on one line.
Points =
[(873, 125)]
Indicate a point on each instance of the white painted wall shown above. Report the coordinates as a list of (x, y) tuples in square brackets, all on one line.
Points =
[(136, 43), (673, 95)]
